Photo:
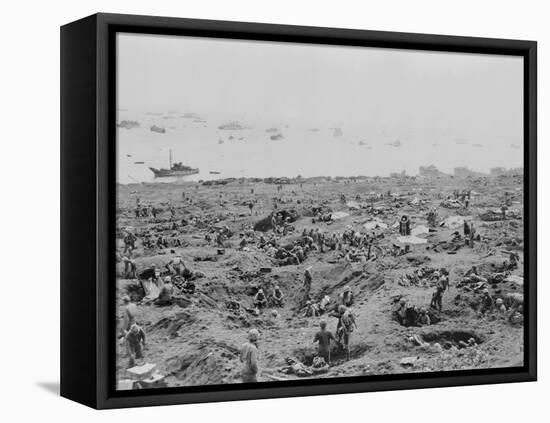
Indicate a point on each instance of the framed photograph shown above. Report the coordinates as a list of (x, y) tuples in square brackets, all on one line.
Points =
[(257, 211)]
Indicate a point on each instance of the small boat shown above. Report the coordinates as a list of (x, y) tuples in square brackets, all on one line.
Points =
[(176, 169), (139, 162), (158, 129), (213, 172)]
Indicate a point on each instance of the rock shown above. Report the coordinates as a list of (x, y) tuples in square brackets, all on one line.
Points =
[(141, 372), (409, 361), (437, 347)]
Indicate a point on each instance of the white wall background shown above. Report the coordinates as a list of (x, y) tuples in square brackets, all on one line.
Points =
[(29, 174)]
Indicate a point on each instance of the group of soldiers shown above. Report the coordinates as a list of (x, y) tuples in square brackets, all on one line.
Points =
[(408, 314), (262, 301), (324, 339), (311, 240), (132, 334), (178, 275)]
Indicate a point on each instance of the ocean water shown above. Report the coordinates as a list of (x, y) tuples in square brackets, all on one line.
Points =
[(307, 149)]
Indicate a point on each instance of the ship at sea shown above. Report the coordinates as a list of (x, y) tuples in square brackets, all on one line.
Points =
[(176, 169)]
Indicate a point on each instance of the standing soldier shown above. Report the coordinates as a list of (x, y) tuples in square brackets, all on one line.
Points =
[(444, 279), (466, 229), (129, 242), (135, 339), (129, 268), (321, 241), (274, 221), (346, 326), (472, 234), (249, 357), (437, 297), (306, 286), (130, 312), (323, 337), (432, 218), (405, 226)]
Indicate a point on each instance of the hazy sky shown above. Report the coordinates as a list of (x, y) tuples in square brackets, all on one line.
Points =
[(414, 96), (379, 86)]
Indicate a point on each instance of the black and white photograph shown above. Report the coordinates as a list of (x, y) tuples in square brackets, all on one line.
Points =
[(303, 211), (234, 211)]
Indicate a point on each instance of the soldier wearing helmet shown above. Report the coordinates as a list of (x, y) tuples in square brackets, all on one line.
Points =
[(423, 318), (135, 340), (346, 297), (400, 313), (249, 357), (499, 305), (324, 338), (129, 268), (346, 325), (278, 296), (166, 292), (129, 314), (260, 300), (487, 302)]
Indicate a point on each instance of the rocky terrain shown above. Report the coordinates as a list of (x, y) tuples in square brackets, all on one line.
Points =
[(196, 340)]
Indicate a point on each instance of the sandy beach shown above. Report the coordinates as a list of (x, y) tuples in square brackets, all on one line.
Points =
[(197, 340)]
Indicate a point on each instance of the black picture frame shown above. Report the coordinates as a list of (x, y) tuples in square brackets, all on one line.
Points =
[(88, 200)]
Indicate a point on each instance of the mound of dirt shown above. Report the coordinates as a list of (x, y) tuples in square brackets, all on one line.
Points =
[(449, 338), (210, 365), (337, 354)]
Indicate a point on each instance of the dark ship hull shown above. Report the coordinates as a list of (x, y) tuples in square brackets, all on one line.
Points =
[(165, 173)]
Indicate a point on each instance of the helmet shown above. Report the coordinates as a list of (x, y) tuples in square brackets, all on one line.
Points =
[(167, 279), (499, 301), (126, 299), (253, 335), (342, 309), (347, 288)]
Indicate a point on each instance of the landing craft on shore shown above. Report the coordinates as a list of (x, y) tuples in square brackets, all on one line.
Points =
[(177, 169)]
